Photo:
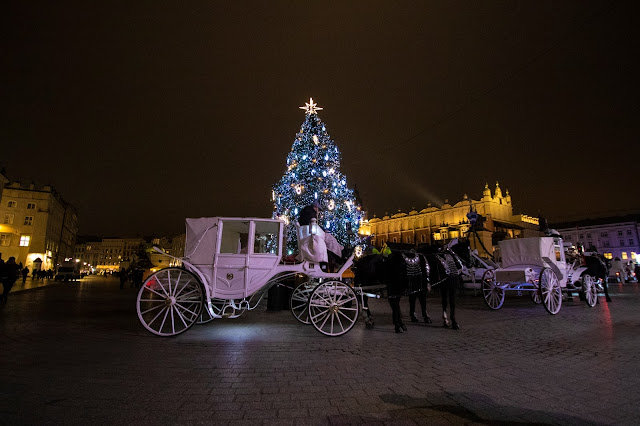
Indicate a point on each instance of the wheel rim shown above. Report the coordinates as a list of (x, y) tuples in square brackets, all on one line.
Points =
[(493, 295), (535, 296), (170, 301), (550, 291), (333, 308), (299, 301), (590, 291)]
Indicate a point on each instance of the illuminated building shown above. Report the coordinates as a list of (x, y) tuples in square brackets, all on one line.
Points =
[(614, 237), (432, 224), (36, 225)]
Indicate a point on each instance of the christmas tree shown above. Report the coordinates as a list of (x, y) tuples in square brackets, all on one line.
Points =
[(313, 174)]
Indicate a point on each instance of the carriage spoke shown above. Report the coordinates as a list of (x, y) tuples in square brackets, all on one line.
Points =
[(182, 296), (164, 319), (178, 292), (186, 309), (151, 309), (180, 316), (173, 323), (157, 277), (164, 296), (156, 317)]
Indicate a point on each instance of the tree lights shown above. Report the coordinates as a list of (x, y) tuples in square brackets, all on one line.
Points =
[(313, 174)]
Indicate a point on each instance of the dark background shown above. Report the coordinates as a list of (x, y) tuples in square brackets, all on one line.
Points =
[(143, 113)]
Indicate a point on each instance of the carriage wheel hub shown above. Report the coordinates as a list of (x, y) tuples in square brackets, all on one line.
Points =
[(334, 308), (170, 301)]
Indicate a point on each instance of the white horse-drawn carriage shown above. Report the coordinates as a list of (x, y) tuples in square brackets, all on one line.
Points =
[(228, 265), (537, 266)]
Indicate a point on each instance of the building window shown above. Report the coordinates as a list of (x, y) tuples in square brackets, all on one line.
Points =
[(11, 204), (31, 206), (408, 239), (608, 256), (581, 237), (619, 233), (568, 237), (624, 255), (630, 241), (606, 244), (628, 231), (633, 256), (395, 240), (422, 238), (621, 243), (589, 235), (25, 240), (8, 219), (28, 220), (604, 234), (5, 240)]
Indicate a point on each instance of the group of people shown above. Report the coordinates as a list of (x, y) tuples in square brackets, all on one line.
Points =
[(134, 275), (39, 274)]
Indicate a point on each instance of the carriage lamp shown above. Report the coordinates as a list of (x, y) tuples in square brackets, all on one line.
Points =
[(313, 227), (358, 251)]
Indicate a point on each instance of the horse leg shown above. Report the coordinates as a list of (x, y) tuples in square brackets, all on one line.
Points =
[(605, 284), (452, 303), (397, 315), (366, 312), (422, 297), (444, 292), (412, 307)]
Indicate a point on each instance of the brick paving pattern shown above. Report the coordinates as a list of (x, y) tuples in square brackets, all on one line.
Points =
[(75, 353)]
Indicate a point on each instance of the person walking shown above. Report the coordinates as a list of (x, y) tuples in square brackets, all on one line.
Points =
[(25, 274), (9, 274)]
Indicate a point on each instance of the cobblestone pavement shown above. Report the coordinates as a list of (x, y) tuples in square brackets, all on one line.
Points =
[(75, 353)]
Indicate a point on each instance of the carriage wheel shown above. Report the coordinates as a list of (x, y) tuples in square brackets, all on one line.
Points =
[(535, 296), (590, 290), (170, 302), (550, 291), (333, 308), (493, 295), (299, 301), (205, 316)]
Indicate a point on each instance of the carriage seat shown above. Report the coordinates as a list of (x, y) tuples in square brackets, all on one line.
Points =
[(311, 245)]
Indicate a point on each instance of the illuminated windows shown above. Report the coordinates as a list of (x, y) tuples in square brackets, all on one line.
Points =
[(25, 240), (624, 255), (608, 256)]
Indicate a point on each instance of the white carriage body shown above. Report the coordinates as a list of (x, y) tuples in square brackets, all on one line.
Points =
[(234, 257), (524, 258)]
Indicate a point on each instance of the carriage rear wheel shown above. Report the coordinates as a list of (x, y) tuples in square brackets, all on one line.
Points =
[(170, 301), (333, 308), (550, 291), (590, 290), (493, 295), (299, 301)]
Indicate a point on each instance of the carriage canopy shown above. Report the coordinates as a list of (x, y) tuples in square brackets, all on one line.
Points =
[(528, 251)]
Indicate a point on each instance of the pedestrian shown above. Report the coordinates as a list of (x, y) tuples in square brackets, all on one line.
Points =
[(123, 277), (636, 269), (9, 274), (137, 277), (25, 274)]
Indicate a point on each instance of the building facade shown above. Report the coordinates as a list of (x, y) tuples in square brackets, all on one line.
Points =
[(615, 237), (37, 226), (109, 254), (432, 224)]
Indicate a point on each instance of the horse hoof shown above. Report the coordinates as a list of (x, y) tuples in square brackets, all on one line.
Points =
[(427, 320), (414, 318), (446, 325), (608, 299), (403, 327), (455, 326), (369, 324), (399, 329)]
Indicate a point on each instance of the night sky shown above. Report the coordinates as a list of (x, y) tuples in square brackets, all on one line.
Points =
[(143, 113)]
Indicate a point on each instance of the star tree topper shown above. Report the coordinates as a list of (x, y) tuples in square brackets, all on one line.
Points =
[(311, 107)]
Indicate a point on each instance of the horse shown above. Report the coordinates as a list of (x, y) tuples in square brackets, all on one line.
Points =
[(446, 268), (597, 268), (403, 272)]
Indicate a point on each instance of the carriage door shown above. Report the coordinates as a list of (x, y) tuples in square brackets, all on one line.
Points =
[(232, 259), (265, 252)]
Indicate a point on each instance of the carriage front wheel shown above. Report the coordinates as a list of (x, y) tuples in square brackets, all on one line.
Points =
[(590, 290), (170, 301), (492, 293), (333, 308), (550, 291)]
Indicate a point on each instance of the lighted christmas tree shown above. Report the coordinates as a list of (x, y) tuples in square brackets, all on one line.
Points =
[(313, 174)]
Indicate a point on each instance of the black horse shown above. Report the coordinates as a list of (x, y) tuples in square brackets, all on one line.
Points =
[(597, 268), (403, 272), (445, 269)]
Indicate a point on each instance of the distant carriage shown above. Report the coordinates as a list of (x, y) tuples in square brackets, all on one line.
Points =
[(228, 266), (537, 266)]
